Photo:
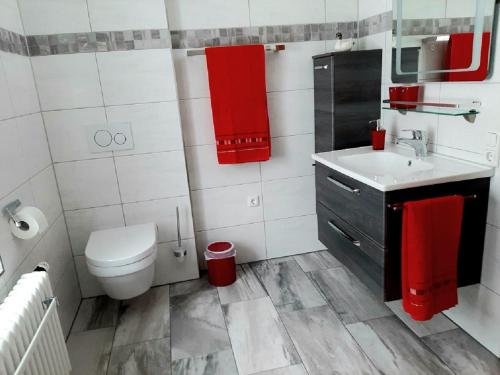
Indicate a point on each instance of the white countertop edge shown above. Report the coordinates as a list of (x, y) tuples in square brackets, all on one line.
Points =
[(483, 173)]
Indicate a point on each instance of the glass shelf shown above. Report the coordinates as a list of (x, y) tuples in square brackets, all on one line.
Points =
[(466, 110)]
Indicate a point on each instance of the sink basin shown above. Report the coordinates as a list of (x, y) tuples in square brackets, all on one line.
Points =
[(385, 163), (397, 168)]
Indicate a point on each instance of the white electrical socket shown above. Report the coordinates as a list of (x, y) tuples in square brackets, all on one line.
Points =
[(253, 201), (492, 149)]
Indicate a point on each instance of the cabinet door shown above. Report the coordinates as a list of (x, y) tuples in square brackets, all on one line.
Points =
[(323, 104)]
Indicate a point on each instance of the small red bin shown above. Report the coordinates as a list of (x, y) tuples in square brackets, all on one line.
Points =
[(221, 263)]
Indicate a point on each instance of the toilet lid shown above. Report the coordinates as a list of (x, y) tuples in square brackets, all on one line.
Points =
[(121, 246)]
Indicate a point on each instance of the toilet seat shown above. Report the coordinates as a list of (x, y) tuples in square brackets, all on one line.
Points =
[(127, 247), (122, 270)]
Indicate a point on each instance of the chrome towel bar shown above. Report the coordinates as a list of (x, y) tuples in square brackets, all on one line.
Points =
[(399, 206), (268, 47)]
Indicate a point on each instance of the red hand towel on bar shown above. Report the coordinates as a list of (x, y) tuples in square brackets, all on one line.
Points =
[(237, 77), (431, 239)]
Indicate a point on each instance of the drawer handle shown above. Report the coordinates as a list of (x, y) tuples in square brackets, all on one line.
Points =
[(344, 234), (343, 186), (320, 67)]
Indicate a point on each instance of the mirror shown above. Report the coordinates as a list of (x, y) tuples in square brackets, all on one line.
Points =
[(442, 40)]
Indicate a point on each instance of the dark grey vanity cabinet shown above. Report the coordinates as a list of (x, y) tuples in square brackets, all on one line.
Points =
[(346, 97), (358, 227)]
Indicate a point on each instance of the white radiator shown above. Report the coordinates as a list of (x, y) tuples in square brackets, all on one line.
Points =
[(31, 337)]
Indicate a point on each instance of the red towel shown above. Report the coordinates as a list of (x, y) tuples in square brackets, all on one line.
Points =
[(237, 77), (431, 239), (460, 57)]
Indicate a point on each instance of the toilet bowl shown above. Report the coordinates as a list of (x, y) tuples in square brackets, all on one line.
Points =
[(123, 259)]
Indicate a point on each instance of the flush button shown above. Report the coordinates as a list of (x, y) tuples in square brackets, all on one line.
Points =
[(103, 138), (120, 138)]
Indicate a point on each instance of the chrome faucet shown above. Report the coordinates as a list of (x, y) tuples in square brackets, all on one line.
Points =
[(418, 141)]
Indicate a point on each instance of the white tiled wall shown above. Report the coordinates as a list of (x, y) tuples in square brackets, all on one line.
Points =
[(455, 137), (112, 189), (26, 173)]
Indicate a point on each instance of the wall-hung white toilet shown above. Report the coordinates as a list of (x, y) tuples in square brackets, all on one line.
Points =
[(123, 259)]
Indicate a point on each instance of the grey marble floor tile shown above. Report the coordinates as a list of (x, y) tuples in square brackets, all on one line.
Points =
[(191, 286), (319, 260), (324, 344), (438, 323), (220, 363), (290, 370), (95, 313), (463, 354), (349, 297), (258, 337), (145, 358), (278, 260), (89, 351), (394, 349), (144, 318), (246, 287), (288, 286), (197, 325)]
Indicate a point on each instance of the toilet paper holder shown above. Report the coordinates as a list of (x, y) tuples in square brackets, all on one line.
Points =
[(10, 211)]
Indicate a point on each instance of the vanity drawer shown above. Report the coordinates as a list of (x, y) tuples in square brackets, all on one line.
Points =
[(357, 252), (354, 202)]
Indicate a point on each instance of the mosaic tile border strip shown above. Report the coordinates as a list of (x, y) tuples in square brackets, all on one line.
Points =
[(13, 42), (263, 34), (101, 41)]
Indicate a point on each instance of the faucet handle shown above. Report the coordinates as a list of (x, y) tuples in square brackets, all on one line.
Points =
[(416, 134)]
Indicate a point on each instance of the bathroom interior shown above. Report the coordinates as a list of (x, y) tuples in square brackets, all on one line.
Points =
[(235, 187)]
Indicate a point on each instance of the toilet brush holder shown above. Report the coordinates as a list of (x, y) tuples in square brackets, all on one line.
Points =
[(180, 253)]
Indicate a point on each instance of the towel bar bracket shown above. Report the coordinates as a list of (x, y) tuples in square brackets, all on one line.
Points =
[(399, 206)]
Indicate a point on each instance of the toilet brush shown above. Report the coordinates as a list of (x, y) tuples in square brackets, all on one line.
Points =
[(179, 253)]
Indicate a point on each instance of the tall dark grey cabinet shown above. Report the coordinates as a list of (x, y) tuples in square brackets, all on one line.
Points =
[(347, 89)]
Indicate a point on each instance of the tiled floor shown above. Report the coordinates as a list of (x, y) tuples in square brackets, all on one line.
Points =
[(290, 316)]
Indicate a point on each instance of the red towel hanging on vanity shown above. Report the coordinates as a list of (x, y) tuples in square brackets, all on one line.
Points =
[(431, 239), (237, 78)]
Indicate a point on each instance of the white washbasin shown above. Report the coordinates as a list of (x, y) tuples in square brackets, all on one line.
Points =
[(385, 163), (397, 168)]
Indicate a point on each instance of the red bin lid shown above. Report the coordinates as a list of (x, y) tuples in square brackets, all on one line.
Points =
[(218, 247)]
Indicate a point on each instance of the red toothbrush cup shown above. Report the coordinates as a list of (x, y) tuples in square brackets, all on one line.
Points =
[(378, 139)]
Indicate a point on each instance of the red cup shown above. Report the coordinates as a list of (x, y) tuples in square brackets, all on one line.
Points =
[(394, 96), (409, 94), (378, 139)]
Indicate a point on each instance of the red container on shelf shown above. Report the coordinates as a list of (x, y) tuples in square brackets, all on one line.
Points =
[(378, 139), (394, 95), (409, 94), (221, 263)]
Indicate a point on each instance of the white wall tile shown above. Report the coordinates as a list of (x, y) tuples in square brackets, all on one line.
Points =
[(68, 296), (152, 176), (341, 11), (34, 147), (140, 76), (291, 112), (455, 131), (206, 172), (494, 202), (292, 236), (155, 126), (197, 122), (249, 241), (67, 81), (6, 106), (111, 15), (289, 197), (54, 17), (192, 76), (11, 158), (491, 259), (224, 207), (88, 183), (169, 270), (21, 84), (284, 12), (425, 9), (292, 69), (89, 285), (46, 194), (10, 18), (368, 8), (290, 157), (162, 213), (83, 222), (67, 133), (202, 14)]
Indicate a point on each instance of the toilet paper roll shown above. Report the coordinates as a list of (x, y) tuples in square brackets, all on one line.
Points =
[(34, 222)]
